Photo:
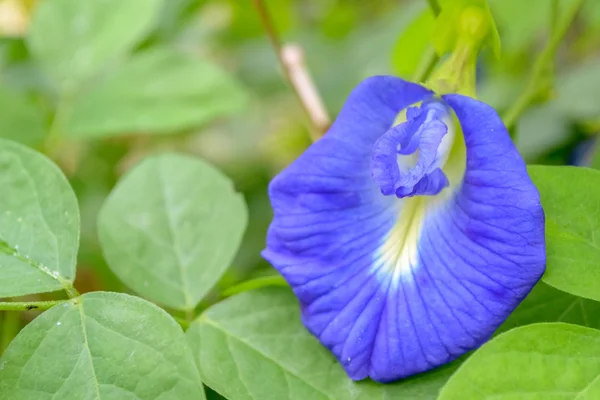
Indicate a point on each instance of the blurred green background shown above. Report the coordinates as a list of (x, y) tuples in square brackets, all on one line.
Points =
[(259, 126)]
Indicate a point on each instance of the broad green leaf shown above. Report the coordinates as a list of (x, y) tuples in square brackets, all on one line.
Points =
[(571, 201), (171, 227), (578, 90), (546, 304), (411, 45), (19, 119), (253, 346), (72, 40), (39, 223), (157, 92), (541, 361), (176, 16), (100, 346)]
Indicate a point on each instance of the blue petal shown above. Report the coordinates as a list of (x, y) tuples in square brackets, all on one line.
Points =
[(478, 255), (397, 286), (424, 130), (327, 206)]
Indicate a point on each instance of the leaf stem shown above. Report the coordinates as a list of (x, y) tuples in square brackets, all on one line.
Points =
[(189, 315), (275, 280), (29, 305), (291, 60), (536, 82), (183, 322), (71, 291), (10, 329)]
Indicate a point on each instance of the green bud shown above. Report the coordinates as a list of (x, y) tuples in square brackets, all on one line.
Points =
[(465, 21), (472, 25), (462, 28)]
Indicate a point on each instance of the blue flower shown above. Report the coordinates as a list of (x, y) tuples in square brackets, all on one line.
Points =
[(407, 244)]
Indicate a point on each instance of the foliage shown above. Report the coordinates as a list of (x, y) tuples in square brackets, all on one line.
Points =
[(137, 140)]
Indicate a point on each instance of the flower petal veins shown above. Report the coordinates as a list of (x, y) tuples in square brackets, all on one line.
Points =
[(401, 264)]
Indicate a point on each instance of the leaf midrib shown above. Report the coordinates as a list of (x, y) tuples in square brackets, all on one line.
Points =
[(86, 344), (586, 388), (214, 324), (173, 234), (575, 235), (7, 249)]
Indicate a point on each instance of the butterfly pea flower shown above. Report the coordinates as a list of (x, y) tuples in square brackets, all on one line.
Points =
[(407, 241)]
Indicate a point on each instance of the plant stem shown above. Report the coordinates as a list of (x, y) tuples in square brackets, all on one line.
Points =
[(29, 305), (189, 315), (71, 291), (184, 323), (536, 80), (291, 60), (252, 284), (10, 329)]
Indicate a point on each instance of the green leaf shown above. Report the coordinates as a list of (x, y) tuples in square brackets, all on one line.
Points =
[(157, 92), (19, 119), (73, 40), (411, 45), (100, 346), (541, 361), (571, 201), (171, 227), (546, 304), (39, 223), (253, 346)]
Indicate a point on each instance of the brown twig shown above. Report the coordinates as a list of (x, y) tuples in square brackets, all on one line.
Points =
[(291, 60), (300, 79)]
